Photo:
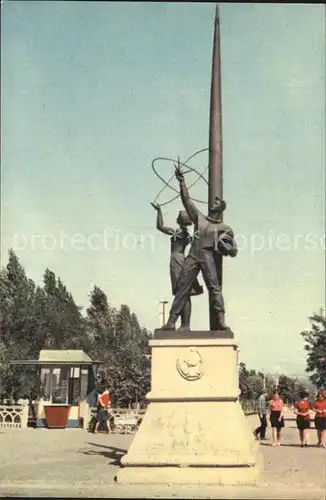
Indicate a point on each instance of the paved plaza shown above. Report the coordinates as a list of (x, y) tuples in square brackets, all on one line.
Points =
[(74, 463)]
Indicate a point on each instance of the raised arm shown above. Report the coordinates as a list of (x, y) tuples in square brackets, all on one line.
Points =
[(189, 206), (159, 221)]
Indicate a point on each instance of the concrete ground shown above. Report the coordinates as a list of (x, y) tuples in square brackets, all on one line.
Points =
[(74, 463)]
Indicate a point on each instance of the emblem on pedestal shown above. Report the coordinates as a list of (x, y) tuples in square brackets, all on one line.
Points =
[(190, 365)]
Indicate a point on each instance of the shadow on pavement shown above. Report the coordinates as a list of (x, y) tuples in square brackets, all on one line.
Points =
[(299, 446), (289, 445), (111, 452)]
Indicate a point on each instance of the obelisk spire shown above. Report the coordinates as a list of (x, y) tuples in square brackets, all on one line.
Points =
[(215, 120), (215, 176)]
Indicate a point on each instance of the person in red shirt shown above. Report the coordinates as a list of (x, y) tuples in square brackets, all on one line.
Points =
[(320, 418), (103, 410), (276, 408), (302, 409)]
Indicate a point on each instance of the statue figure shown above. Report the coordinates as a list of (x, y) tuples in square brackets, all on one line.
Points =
[(211, 235), (180, 238)]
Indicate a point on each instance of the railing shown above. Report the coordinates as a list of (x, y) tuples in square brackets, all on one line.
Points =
[(126, 421), (14, 416), (249, 407)]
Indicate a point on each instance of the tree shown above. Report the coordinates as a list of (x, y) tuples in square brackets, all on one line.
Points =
[(122, 345), (269, 385), (315, 340), (63, 318), (243, 381), (251, 383), (256, 385), (287, 389), (33, 318), (20, 334), (128, 371), (100, 325)]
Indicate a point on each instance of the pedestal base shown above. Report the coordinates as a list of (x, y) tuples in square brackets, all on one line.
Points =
[(194, 430), (192, 443), (204, 476)]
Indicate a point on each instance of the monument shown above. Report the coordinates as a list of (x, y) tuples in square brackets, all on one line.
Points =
[(194, 430), (179, 240)]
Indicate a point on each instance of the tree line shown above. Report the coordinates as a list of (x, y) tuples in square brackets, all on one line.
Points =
[(46, 317), (252, 383)]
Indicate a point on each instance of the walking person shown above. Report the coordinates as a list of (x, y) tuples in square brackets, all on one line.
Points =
[(276, 409), (262, 405), (103, 411), (319, 408), (302, 409)]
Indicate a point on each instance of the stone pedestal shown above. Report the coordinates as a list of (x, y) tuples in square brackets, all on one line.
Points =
[(194, 430)]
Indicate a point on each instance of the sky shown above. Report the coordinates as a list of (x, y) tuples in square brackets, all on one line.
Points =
[(93, 92)]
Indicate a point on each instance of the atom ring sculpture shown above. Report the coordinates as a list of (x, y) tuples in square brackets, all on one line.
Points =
[(185, 172)]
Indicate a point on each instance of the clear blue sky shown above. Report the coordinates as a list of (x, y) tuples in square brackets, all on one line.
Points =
[(92, 92)]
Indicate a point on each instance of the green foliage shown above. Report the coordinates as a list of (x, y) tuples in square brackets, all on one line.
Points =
[(61, 316), (251, 383), (20, 335), (290, 388), (126, 369), (315, 346), (287, 389), (33, 318)]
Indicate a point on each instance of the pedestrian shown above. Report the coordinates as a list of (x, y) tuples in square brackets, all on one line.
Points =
[(262, 405), (319, 408), (302, 410), (103, 410), (276, 408)]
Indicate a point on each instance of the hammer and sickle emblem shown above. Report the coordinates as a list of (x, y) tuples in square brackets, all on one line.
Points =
[(190, 367)]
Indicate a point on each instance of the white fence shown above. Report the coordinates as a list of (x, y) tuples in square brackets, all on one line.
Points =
[(126, 421), (14, 416)]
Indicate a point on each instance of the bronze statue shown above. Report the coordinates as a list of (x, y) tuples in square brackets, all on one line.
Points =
[(180, 238), (211, 238)]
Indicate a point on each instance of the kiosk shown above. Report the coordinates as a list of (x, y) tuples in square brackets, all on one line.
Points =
[(66, 378)]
